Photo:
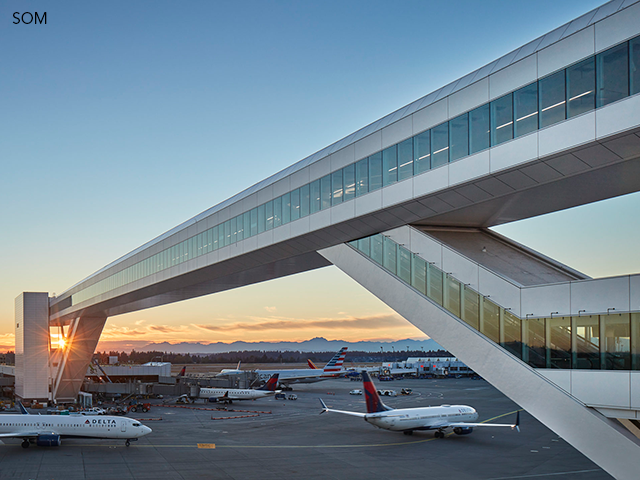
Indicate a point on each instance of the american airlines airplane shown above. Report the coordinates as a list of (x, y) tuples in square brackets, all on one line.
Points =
[(48, 430), (309, 375), (460, 418), (229, 394)]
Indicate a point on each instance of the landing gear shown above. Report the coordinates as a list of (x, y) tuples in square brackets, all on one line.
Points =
[(439, 434), (25, 443), (408, 432), (127, 443)]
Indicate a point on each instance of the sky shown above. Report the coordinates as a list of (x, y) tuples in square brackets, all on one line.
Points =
[(121, 120)]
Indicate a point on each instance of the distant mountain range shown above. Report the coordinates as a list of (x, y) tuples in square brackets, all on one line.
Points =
[(317, 344)]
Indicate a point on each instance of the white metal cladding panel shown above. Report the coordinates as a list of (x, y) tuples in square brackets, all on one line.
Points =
[(540, 301), (342, 212), (607, 388), (469, 167), (397, 193), (567, 51), (343, 157), (368, 145), (280, 188), (597, 296), (396, 132), (427, 248), (250, 244), (282, 233), (430, 181), (300, 178), (368, 203), (499, 290), (634, 292), (461, 268), (320, 219), (264, 196), (514, 152), (564, 135), (300, 226), (223, 215), (469, 98), (617, 28), (430, 116), (36, 345), (561, 378), (320, 168), (513, 77), (635, 390), (618, 117), (248, 203)]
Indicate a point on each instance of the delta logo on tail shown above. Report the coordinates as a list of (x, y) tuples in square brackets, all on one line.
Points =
[(272, 384), (183, 371), (374, 403)]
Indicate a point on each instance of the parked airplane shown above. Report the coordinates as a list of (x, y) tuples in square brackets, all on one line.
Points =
[(229, 394), (48, 430), (460, 418), (312, 365), (309, 375), (230, 371), (182, 372)]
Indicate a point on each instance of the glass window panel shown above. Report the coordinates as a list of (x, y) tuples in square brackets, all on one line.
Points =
[(377, 253), (364, 245), (200, 243), (286, 208), (390, 258), (490, 321), (234, 231), (634, 67), (362, 177), (422, 152), (560, 342), (405, 159), (277, 212), (375, 171), (262, 218), (247, 224), (612, 75), (336, 187), (635, 341), (616, 343), (440, 145), (512, 333), (459, 137), (314, 193), (268, 209), (525, 110), (304, 200), (479, 129), (502, 119), (588, 342), (240, 227), (227, 232), (471, 311), (389, 165), (325, 192), (535, 342), (295, 204), (349, 175), (581, 86), (404, 264), (434, 284), (419, 274), (254, 221), (452, 295), (551, 97)]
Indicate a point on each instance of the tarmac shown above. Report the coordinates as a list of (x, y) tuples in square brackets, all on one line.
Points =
[(287, 439)]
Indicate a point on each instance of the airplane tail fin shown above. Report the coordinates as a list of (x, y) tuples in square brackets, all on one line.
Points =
[(23, 410), (312, 365), (335, 364), (239, 362), (272, 384), (374, 403), (183, 371)]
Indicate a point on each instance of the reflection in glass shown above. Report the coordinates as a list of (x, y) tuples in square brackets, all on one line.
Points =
[(262, 218), (587, 342), (560, 342), (348, 173), (552, 99), (325, 192), (404, 264), (616, 344), (471, 311), (613, 75), (635, 341), (336, 187), (269, 214), (286, 208), (304, 200), (377, 253), (535, 343), (389, 260), (277, 212), (581, 87), (314, 196), (389, 165), (525, 106), (634, 67), (512, 333), (362, 177), (422, 152), (295, 204), (440, 145), (490, 320), (375, 171), (452, 295), (459, 137), (405, 159), (502, 119), (479, 129), (434, 284), (419, 274)]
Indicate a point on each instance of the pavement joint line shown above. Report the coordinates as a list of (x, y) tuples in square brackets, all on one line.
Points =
[(539, 475)]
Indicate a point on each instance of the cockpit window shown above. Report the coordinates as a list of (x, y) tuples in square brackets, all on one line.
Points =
[(136, 424)]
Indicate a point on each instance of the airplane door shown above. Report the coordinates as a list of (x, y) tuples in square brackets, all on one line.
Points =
[(124, 427)]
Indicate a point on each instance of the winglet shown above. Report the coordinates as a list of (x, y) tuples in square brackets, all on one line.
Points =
[(324, 407), (23, 410)]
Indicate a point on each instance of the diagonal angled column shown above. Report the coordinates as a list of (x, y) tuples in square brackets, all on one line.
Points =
[(81, 342), (602, 440)]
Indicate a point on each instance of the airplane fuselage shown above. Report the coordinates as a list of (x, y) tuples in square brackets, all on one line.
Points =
[(233, 393), (425, 418)]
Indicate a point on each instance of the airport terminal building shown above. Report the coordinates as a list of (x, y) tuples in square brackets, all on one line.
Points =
[(404, 207)]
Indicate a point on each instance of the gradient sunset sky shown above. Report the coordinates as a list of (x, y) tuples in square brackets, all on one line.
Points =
[(121, 120)]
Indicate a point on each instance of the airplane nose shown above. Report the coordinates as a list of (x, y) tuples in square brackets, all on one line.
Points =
[(146, 430)]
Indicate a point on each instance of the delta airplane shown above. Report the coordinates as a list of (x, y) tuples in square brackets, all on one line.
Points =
[(309, 375), (48, 430), (229, 394), (460, 418)]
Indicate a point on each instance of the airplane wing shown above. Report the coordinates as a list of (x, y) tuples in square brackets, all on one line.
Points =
[(20, 434), (327, 409), (467, 425)]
